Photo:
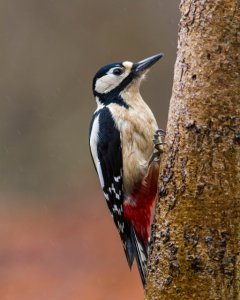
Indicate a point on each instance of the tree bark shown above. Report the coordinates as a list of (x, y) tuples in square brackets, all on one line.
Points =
[(195, 250)]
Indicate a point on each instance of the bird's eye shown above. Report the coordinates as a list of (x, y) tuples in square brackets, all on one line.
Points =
[(117, 71)]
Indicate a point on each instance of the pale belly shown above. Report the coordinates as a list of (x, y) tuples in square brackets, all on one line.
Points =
[(137, 127)]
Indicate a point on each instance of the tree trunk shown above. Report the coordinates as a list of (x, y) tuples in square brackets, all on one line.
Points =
[(195, 250)]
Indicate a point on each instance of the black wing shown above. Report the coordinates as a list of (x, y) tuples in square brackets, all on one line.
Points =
[(106, 151)]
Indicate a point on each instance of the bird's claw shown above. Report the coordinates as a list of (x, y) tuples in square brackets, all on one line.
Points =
[(158, 141)]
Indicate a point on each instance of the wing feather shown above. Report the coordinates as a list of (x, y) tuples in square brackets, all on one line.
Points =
[(106, 151)]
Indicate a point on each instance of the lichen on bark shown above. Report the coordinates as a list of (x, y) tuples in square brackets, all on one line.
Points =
[(196, 231)]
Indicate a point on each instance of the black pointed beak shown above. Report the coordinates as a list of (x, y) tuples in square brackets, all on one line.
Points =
[(147, 63)]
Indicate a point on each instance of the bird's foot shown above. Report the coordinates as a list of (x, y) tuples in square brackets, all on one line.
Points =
[(158, 142)]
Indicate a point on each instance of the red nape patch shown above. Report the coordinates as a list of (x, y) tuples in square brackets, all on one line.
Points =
[(139, 213)]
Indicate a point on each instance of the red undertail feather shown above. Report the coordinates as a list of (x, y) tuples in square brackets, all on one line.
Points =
[(140, 214)]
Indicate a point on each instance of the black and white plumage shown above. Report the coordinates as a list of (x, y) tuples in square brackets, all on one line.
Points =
[(106, 152), (121, 133)]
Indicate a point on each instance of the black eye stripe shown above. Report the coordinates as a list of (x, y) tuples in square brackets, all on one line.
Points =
[(117, 71)]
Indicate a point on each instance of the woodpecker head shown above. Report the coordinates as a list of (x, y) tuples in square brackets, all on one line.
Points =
[(112, 79)]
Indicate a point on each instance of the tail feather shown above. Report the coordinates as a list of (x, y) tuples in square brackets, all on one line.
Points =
[(129, 252), (134, 247), (140, 254)]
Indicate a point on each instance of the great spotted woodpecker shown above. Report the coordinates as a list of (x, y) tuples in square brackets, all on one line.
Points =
[(124, 155)]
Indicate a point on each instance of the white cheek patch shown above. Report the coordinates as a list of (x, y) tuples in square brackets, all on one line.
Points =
[(109, 81)]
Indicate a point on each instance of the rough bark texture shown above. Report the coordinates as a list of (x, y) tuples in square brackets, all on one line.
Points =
[(196, 232)]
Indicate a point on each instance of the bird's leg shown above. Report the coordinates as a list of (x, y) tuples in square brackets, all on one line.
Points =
[(158, 142)]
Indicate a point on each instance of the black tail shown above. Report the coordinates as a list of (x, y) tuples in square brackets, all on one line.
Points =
[(129, 251), (134, 247), (140, 254)]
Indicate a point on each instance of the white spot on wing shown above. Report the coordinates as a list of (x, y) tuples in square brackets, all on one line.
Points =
[(93, 145), (121, 227), (117, 210), (117, 179), (113, 188), (106, 196)]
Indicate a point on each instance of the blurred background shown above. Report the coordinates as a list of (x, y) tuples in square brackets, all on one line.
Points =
[(57, 239)]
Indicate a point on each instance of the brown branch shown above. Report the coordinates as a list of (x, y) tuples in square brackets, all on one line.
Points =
[(196, 232)]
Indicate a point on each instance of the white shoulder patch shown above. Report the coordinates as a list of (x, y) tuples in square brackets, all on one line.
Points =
[(94, 139)]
